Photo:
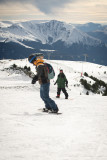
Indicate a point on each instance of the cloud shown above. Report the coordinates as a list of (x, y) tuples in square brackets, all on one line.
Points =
[(77, 11), (45, 6)]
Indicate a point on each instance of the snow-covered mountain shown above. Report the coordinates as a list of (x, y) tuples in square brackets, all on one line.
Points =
[(90, 27), (15, 33), (100, 34), (46, 32), (18, 40), (95, 30), (53, 31)]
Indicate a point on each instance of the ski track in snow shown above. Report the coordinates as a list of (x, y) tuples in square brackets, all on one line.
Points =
[(26, 133)]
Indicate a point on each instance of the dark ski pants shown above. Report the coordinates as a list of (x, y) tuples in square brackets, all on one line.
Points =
[(63, 90), (44, 94)]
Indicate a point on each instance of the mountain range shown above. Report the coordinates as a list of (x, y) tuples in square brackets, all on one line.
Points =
[(56, 39)]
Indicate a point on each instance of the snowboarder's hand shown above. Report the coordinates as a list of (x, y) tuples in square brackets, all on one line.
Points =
[(67, 85), (33, 81), (35, 78), (55, 83)]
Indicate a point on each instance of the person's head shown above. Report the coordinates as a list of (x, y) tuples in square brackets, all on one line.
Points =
[(34, 57), (61, 71)]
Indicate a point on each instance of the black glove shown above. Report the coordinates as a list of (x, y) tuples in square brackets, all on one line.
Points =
[(35, 78), (33, 81), (55, 83), (66, 85)]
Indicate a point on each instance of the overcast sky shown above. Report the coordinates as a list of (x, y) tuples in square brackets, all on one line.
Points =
[(70, 11)]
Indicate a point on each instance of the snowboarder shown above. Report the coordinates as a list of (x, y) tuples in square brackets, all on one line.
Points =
[(61, 83), (42, 77)]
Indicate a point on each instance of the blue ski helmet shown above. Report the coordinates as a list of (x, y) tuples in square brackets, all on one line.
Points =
[(32, 58)]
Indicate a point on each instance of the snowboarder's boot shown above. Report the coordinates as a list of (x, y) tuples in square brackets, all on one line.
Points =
[(58, 96), (54, 111), (66, 97), (45, 110)]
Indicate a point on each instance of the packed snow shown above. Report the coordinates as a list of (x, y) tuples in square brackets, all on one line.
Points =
[(26, 133)]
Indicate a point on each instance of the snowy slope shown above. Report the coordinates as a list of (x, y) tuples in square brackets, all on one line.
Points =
[(15, 33), (46, 32), (5, 24), (80, 133)]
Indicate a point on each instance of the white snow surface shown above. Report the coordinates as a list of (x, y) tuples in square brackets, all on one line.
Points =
[(26, 133)]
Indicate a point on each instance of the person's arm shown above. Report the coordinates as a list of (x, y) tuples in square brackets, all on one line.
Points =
[(35, 78), (56, 81), (66, 82)]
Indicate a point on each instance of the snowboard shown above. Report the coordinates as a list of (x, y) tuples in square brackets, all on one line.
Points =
[(54, 113), (50, 112)]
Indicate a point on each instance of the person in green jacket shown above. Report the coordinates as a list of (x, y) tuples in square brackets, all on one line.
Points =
[(61, 83)]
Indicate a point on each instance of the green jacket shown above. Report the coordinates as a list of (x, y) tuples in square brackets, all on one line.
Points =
[(61, 80)]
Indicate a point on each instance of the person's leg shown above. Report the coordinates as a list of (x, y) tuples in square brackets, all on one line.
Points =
[(48, 101), (58, 92), (43, 98), (65, 92)]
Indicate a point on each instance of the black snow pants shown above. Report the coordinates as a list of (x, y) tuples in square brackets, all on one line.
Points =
[(63, 90)]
